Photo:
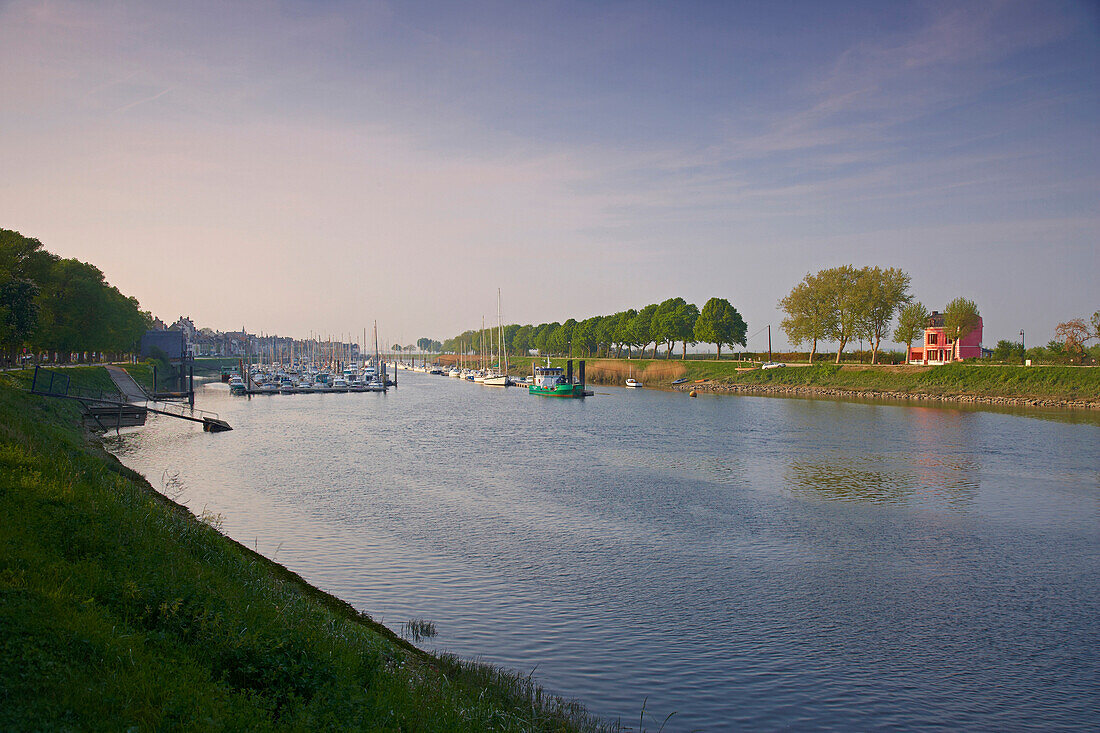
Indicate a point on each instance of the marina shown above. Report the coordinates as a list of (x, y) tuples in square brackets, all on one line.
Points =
[(328, 368)]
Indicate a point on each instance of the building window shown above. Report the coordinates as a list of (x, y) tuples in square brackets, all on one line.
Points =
[(931, 338)]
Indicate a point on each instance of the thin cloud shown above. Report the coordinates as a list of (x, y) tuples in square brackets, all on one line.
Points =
[(135, 103)]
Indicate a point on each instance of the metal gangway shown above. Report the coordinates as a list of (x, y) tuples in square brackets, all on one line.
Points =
[(114, 405)]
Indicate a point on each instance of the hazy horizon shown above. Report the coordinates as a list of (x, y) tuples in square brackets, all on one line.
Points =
[(294, 167)]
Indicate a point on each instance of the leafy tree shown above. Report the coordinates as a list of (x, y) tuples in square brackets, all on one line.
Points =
[(720, 323), (424, 344), (124, 322), (542, 338), (521, 341), (676, 322), (644, 329), (624, 329), (613, 333), (510, 333), (664, 329), (810, 312), (885, 291), (603, 332), (23, 258), (960, 317), (18, 313), (911, 322), (687, 318), (567, 329), (558, 340), (71, 308), (584, 336), (1008, 351)]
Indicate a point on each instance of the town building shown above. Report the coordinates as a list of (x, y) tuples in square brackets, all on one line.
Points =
[(169, 344), (938, 348)]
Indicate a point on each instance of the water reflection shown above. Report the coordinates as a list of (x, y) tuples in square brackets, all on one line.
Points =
[(849, 481)]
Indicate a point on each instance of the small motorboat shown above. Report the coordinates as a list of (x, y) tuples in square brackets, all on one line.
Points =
[(681, 380)]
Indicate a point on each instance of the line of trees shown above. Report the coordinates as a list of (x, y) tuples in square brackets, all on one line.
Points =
[(61, 307), (427, 344), (674, 321)]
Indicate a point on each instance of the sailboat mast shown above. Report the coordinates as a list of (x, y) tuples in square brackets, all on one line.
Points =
[(500, 324)]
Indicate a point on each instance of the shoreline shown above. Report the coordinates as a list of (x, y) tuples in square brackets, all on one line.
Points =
[(787, 390)]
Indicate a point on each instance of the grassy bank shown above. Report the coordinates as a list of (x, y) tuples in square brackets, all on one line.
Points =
[(1065, 383), (120, 610), (1045, 383)]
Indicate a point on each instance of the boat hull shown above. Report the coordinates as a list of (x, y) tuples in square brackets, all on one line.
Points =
[(561, 390)]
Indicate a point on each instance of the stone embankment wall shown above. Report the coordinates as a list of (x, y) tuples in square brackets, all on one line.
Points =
[(812, 391)]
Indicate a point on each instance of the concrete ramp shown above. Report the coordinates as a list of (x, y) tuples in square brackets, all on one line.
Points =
[(127, 385)]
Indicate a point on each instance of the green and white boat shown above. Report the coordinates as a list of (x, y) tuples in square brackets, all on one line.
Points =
[(548, 381)]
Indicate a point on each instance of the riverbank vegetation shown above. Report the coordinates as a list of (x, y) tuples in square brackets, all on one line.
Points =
[(119, 608)]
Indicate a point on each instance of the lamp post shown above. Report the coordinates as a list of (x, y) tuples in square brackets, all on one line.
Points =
[(1023, 349)]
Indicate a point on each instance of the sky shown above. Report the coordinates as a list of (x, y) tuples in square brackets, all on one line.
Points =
[(296, 167)]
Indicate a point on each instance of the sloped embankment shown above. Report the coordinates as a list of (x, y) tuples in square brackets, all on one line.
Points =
[(119, 608)]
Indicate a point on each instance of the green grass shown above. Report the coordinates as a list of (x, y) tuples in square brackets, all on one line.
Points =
[(142, 372), (120, 610)]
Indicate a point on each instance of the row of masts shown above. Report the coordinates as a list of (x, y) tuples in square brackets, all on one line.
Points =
[(321, 352)]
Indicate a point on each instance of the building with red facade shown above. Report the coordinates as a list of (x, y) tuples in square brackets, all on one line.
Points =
[(938, 348)]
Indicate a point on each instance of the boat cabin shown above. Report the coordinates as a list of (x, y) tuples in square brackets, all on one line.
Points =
[(549, 377)]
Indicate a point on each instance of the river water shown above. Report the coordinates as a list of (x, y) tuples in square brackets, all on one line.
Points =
[(741, 562)]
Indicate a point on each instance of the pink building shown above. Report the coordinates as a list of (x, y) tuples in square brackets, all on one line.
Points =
[(937, 348)]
